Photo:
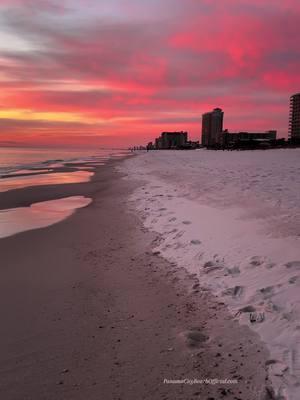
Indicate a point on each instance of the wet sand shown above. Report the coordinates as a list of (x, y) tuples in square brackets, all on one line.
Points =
[(88, 311)]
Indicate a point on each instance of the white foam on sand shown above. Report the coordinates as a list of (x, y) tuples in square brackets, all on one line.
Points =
[(39, 215), (233, 218)]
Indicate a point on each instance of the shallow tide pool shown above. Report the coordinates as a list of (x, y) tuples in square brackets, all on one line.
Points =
[(39, 215)]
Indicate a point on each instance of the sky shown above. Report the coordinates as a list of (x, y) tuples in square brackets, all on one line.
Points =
[(116, 73)]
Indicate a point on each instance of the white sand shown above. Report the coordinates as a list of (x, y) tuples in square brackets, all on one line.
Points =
[(233, 219)]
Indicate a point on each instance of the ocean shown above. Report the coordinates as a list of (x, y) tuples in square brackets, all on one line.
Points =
[(15, 158), (28, 167)]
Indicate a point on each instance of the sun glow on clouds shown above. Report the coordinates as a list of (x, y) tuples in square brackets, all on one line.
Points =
[(28, 115), (57, 86), (119, 73)]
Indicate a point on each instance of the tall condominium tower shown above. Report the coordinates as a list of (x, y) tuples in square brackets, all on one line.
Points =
[(294, 124), (212, 127)]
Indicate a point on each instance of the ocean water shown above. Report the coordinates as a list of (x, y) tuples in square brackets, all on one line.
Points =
[(27, 167), (41, 179), (16, 158)]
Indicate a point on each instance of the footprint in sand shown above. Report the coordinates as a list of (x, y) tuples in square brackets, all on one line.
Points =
[(247, 309), (195, 338), (178, 235), (235, 292), (172, 219), (293, 279), (293, 264), (254, 315), (267, 291), (211, 266), (177, 246), (172, 231), (233, 271), (256, 261), (270, 265), (195, 241), (186, 222), (288, 316), (276, 367), (257, 317), (208, 264)]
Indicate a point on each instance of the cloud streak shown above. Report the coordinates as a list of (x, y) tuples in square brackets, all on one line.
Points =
[(132, 69)]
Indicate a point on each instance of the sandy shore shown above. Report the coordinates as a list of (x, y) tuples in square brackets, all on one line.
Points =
[(89, 311)]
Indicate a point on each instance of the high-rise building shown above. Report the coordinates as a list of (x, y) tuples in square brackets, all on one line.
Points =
[(212, 127), (294, 123)]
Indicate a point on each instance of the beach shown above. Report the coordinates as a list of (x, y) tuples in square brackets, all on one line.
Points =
[(233, 220), (90, 308)]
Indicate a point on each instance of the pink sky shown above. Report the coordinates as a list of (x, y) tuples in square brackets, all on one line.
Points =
[(117, 73)]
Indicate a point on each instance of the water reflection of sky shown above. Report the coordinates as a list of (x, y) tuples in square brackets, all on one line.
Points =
[(39, 215), (44, 179)]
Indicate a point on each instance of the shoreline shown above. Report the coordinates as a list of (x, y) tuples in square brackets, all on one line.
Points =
[(25, 196), (95, 311)]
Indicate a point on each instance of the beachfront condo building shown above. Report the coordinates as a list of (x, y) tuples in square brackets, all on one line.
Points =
[(294, 122), (171, 140), (212, 127), (232, 139)]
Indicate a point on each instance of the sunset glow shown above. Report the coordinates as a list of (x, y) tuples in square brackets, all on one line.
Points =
[(116, 73)]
